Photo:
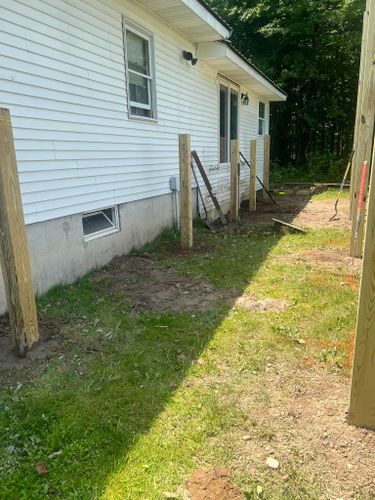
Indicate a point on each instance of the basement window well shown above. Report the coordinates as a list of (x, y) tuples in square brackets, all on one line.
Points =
[(100, 223)]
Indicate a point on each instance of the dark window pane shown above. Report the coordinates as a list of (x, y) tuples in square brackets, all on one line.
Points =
[(137, 52), (140, 112), (98, 222), (139, 89), (223, 124), (262, 110), (261, 127), (233, 114)]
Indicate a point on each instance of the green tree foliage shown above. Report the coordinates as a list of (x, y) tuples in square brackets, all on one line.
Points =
[(311, 48)]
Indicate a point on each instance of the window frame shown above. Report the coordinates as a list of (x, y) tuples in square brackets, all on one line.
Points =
[(149, 37), (230, 85), (103, 232), (262, 120)]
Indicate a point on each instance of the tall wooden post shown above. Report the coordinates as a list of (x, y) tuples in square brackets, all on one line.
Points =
[(266, 165), (364, 125), (186, 199), (234, 200), (358, 107), (362, 397), (253, 176), (14, 254)]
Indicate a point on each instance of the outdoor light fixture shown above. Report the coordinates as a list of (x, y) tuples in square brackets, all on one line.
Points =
[(188, 56), (245, 99)]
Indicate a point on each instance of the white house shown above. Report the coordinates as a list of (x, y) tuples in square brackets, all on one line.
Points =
[(98, 91)]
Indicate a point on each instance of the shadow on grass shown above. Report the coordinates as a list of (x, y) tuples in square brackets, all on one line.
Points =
[(82, 413)]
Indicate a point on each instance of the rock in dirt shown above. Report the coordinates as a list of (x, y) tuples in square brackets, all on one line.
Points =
[(213, 484), (272, 463), (259, 490), (247, 437)]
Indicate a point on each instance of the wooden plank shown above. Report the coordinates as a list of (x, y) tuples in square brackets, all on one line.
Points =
[(364, 132), (289, 226), (358, 105), (186, 197), (14, 253), (362, 396), (253, 176), (234, 199), (207, 183), (266, 165)]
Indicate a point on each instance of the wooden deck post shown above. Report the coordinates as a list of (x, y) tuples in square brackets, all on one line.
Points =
[(234, 200), (362, 397), (253, 176), (364, 124), (186, 200), (266, 165), (358, 106), (14, 253)]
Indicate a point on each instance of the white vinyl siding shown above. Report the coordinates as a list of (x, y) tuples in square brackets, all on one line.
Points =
[(62, 74)]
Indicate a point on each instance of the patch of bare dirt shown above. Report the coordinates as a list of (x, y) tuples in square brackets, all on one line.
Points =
[(299, 209), (44, 349), (299, 417), (212, 484), (317, 213), (14, 370), (150, 286), (335, 259), (287, 209), (270, 305)]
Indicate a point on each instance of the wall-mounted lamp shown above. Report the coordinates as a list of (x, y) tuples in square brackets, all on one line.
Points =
[(245, 99), (188, 56)]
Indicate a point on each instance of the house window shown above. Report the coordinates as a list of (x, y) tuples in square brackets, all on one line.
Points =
[(100, 223), (228, 103), (140, 75), (262, 118)]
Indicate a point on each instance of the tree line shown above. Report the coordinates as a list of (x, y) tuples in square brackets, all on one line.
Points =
[(311, 48)]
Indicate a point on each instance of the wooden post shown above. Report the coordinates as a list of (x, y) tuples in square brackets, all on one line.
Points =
[(234, 201), (364, 125), (14, 254), (358, 117), (186, 200), (266, 165), (362, 397), (253, 176)]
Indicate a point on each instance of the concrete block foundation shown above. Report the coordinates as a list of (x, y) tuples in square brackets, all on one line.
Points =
[(59, 254)]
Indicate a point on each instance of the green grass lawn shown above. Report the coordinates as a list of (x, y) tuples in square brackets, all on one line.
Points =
[(137, 402)]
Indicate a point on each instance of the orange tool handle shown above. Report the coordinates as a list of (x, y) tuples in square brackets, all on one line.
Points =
[(362, 188)]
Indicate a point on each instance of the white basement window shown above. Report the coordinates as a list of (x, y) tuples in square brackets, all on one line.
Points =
[(262, 118), (140, 73), (100, 223)]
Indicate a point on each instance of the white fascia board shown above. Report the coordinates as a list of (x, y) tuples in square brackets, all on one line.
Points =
[(208, 18), (215, 53)]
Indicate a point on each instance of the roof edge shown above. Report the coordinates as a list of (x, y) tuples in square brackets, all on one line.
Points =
[(215, 15), (252, 65)]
